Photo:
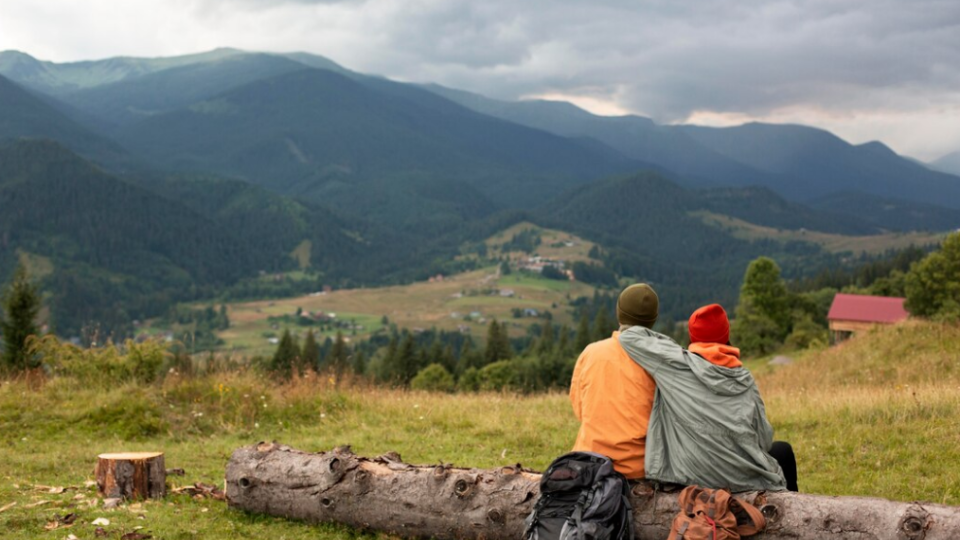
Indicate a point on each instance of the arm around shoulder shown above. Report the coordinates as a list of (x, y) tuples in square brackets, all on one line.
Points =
[(650, 349)]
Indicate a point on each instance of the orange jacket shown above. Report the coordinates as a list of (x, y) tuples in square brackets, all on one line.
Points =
[(612, 397), (717, 353)]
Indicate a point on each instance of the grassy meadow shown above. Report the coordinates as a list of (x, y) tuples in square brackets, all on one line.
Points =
[(444, 305), (875, 416), (834, 243)]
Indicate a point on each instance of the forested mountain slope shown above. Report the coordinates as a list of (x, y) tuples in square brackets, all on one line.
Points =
[(815, 163), (24, 115), (313, 131)]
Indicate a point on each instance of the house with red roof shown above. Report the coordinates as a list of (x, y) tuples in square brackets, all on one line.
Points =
[(851, 313)]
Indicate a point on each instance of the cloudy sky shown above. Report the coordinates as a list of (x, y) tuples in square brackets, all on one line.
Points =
[(865, 69)]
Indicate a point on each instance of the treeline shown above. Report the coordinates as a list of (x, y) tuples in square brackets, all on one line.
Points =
[(772, 313)]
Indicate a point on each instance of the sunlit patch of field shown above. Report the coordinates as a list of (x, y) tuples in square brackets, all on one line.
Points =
[(834, 243), (554, 244), (445, 305)]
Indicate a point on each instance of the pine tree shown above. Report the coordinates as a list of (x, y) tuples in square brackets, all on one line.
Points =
[(602, 327), (391, 371), (406, 360), (563, 344), (491, 354), (21, 304), (505, 346), (337, 359), (583, 334), (359, 362), (223, 321), (310, 355), (546, 342), (470, 357), (498, 343), (448, 359), (286, 355)]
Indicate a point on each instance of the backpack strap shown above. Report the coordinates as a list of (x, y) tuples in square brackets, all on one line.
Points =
[(756, 522)]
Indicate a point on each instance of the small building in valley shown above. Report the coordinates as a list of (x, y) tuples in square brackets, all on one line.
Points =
[(851, 313)]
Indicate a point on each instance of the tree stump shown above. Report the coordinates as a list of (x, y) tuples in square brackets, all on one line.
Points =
[(132, 475)]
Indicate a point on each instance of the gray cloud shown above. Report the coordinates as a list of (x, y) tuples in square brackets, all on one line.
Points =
[(662, 58)]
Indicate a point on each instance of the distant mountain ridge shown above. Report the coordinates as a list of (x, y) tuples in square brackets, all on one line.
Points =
[(949, 163), (817, 163), (800, 163), (24, 115), (302, 132)]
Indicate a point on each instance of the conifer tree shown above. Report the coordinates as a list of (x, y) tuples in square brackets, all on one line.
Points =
[(223, 321), (498, 343), (583, 334), (286, 355), (546, 342), (563, 343), (505, 344), (337, 360), (406, 361), (391, 371), (359, 362), (602, 326), (448, 359), (470, 357), (310, 355), (21, 304)]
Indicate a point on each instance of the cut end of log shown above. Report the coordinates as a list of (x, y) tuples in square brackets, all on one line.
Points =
[(131, 475), (129, 456)]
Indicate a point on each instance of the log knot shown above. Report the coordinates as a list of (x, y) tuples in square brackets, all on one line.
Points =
[(914, 524), (463, 486)]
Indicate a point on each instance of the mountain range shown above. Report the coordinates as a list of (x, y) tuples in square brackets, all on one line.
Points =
[(190, 177), (949, 163)]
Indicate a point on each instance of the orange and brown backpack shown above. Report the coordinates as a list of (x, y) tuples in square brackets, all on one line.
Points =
[(708, 514)]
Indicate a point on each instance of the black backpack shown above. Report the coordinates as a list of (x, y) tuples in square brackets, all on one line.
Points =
[(582, 497)]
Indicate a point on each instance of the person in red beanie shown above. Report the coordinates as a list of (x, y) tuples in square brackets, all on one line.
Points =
[(709, 330)]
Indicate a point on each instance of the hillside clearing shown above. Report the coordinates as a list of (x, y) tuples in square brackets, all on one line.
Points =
[(445, 304), (834, 243)]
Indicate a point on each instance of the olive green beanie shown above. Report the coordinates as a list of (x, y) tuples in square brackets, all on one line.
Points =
[(638, 305)]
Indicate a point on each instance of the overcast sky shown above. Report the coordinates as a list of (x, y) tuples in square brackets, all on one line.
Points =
[(865, 69)]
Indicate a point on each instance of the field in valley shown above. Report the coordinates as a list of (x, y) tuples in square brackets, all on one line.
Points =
[(876, 416), (465, 302)]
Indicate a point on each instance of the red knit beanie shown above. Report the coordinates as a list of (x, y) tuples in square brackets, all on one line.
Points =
[(709, 324)]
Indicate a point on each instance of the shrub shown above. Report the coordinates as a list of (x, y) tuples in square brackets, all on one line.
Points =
[(139, 362), (469, 380), (497, 376), (433, 378)]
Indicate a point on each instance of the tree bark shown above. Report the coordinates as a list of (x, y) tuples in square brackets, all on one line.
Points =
[(134, 475), (385, 494)]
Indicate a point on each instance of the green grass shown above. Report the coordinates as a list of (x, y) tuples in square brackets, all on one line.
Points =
[(834, 243), (534, 281), (876, 416)]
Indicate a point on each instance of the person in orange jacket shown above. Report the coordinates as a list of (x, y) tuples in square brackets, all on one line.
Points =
[(612, 395)]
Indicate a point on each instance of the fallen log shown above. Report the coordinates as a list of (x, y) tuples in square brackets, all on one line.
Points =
[(385, 494)]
